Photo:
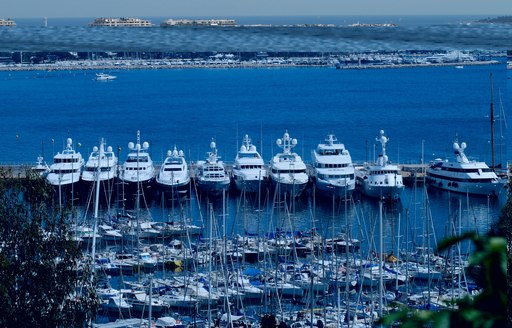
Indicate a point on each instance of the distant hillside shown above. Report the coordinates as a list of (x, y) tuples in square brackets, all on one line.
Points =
[(501, 19)]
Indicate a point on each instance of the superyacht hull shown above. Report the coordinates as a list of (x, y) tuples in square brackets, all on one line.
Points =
[(330, 189), (180, 188), (68, 192), (130, 190), (107, 188), (474, 188), (295, 189), (212, 187), (248, 185), (390, 193)]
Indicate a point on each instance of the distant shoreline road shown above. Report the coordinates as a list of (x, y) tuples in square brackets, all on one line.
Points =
[(131, 65)]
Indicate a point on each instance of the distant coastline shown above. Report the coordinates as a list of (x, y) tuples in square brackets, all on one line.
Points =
[(148, 64), (327, 20), (498, 20)]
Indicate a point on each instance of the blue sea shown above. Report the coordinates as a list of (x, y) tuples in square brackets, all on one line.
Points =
[(278, 34), (422, 110)]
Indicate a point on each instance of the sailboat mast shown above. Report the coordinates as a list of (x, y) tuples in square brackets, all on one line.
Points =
[(492, 123), (96, 205), (380, 260)]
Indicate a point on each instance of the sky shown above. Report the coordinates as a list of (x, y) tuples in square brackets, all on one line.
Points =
[(231, 8)]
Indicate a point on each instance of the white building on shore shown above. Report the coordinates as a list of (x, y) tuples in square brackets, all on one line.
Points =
[(198, 22)]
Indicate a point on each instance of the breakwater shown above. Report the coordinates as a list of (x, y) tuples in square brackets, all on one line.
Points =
[(410, 172), (26, 61)]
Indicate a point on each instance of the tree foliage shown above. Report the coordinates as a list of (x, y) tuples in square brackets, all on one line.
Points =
[(41, 280)]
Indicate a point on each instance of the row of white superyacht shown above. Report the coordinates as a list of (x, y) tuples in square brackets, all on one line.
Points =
[(333, 172)]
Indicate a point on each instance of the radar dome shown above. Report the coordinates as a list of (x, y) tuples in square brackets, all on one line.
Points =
[(69, 141), (95, 148), (294, 141), (243, 148), (131, 145), (109, 148), (212, 144), (279, 142), (169, 153), (463, 145), (181, 153), (145, 145)]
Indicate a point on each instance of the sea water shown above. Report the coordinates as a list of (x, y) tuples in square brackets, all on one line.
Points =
[(422, 110), (263, 34)]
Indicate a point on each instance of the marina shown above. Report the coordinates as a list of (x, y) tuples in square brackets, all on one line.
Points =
[(197, 22), (157, 60), (244, 260), (247, 257)]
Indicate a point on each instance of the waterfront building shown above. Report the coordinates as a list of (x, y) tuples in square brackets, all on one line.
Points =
[(198, 22)]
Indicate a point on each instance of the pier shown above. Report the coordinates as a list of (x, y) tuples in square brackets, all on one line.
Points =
[(122, 60), (410, 172)]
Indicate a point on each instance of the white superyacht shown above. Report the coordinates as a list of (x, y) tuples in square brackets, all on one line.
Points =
[(138, 168), (212, 176), (463, 175), (67, 166), (287, 169), (105, 160), (381, 180), (249, 170), (333, 169), (174, 174)]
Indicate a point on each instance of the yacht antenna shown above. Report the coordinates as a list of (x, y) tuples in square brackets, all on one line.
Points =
[(503, 122), (492, 123)]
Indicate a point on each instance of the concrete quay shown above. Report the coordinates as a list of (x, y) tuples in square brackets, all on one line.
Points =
[(410, 172)]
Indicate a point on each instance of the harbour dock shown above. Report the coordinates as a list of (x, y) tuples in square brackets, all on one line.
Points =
[(410, 172)]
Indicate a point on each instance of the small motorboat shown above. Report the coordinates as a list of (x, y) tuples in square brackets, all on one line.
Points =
[(105, 77)]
